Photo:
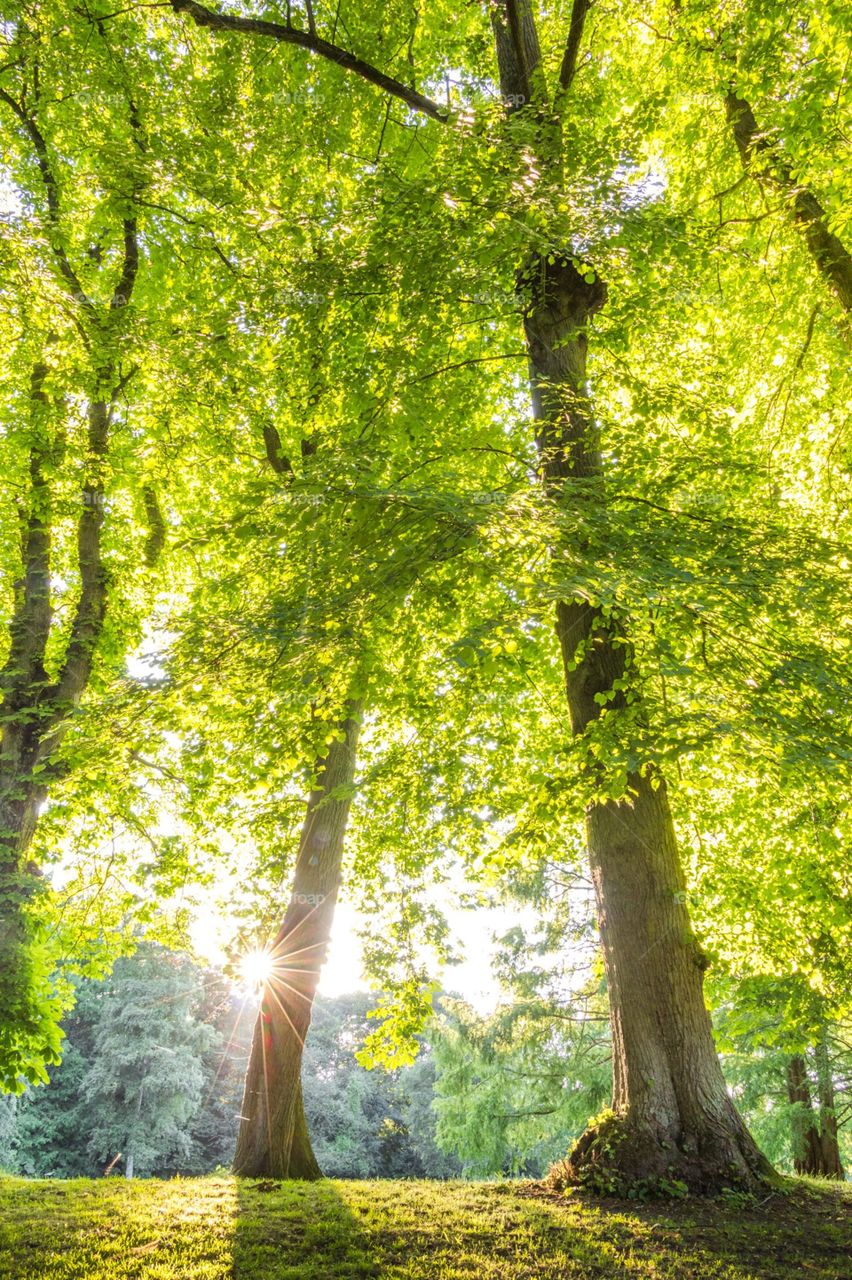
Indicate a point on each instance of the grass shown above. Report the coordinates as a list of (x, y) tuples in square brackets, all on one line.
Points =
[(221, 1229)]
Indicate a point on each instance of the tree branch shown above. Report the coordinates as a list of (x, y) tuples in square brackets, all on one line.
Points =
[(156, 537), (286, 34), (572, 46), (129, 266), (763, 159), (91, 606), (274, 452), (30, 623), (518, 53), (51, 188)]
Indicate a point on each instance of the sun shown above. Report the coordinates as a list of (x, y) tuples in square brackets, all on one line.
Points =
[(256, 967)]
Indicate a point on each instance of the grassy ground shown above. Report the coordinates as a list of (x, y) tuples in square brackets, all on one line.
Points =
[(219, 1229)]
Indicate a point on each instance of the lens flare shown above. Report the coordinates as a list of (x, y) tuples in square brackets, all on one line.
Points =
[(256, 967)]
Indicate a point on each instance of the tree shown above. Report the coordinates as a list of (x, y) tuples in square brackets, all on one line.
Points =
[(346, 326), (673, 1112), (75, 288), (367, 1124), (145, 1080), (794, 1094)]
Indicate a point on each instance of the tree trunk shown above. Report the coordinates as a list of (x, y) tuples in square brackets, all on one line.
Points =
[(831, 1164), (673, 1118), (807, 1144), (35, 711), (273, 1139), (765, 161)]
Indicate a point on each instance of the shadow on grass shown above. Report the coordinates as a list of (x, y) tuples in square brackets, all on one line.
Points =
[(805, 1233), (297, 1231)]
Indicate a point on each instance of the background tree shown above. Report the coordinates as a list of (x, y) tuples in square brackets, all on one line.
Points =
[(145, 1080)]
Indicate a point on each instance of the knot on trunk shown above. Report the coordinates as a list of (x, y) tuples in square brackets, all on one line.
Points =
[(562, 288)]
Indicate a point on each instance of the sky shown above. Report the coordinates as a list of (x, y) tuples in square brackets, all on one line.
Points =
[(473, 936), (473, 931)]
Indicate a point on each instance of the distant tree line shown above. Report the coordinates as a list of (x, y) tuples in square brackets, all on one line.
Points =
[(154, 1063), (152, 1076)]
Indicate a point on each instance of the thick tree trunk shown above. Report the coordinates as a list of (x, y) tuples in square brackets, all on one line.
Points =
[(673, 1118), (273, 1139), (765, 161)]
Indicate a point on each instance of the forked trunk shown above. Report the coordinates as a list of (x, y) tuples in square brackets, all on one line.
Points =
[(807, 1143), (831, 1164), (273, 1139)]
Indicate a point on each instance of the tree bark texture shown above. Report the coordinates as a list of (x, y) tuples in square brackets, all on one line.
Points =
[(676, 1118), (673, 1118), (273, 1138)]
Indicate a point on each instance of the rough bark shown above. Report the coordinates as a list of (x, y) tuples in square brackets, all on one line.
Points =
[(273, 1139), (672, 1117), (764, 159)]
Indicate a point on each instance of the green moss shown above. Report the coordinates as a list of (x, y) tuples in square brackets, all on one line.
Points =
[(221, 1229)]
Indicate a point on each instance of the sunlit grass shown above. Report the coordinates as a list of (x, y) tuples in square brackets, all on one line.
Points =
[(218, 1229)]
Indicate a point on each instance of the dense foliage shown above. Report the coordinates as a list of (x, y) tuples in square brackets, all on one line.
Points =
[(270, 290)]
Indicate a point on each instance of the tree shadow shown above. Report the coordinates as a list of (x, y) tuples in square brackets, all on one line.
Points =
[(769, 1240), (298, 1231)]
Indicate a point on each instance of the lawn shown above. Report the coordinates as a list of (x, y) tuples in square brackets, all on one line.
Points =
[(218, 1228)]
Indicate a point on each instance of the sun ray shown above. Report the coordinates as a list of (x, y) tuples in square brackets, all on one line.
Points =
[(256, 967), (274, 995)]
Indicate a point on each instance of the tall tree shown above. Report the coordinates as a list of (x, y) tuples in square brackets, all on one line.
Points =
[(48, 664), (145, 1080), (673, 1111), (273, 1137)]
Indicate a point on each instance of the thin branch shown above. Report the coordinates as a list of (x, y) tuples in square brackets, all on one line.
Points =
[(51, 188), (464, 364), (204, 17)]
